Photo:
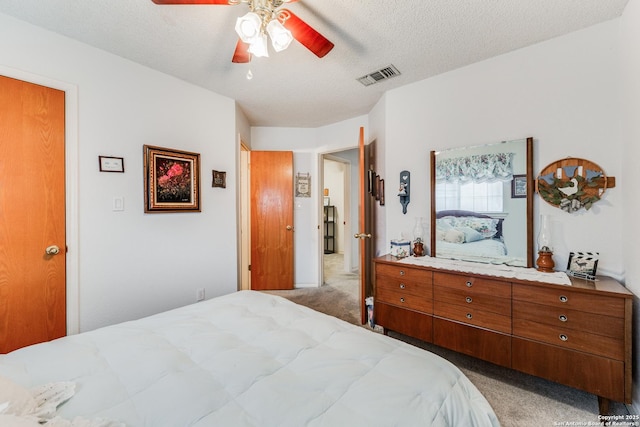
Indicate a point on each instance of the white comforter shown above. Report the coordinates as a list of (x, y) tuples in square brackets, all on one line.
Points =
[(250, 359)]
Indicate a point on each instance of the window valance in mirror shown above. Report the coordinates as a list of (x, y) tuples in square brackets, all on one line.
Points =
[(475, 168)]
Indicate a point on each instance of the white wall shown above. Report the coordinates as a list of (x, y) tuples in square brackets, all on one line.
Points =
[(564, 92), (630, 72), (130, 264)]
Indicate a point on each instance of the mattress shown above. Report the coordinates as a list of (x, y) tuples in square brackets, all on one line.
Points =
[(249, 359)]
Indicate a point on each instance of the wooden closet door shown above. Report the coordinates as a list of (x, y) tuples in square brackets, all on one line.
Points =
[(271, 220), (32, 214)]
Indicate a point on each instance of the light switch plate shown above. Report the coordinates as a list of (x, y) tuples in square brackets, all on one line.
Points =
[(118, 204)]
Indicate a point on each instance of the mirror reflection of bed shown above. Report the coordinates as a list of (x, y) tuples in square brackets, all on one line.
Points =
[(477, 214)]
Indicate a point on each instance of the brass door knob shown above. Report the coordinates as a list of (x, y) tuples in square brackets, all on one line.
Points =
[(52, 250), (362, 235)]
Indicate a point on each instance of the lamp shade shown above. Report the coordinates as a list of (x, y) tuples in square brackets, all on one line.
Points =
[(258, 46), (248, 27), (280, 37), (545, 243)]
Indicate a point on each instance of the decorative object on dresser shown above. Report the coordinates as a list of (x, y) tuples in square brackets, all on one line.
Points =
[(545, 248), (583, 264), (470, 227), (565, 329), (573, 183), (418, 237)]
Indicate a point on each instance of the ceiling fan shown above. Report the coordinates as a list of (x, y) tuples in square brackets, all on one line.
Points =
[(266, 17)]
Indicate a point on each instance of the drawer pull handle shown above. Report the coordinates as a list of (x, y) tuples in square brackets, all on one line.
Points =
[(401, 299), (469, 284), (562, 318), (469, 316), (401, 285), (469, 300), (563, 337), (402, 272), (563, 298)]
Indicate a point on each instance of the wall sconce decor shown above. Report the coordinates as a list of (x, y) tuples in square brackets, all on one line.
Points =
[(405, 190)]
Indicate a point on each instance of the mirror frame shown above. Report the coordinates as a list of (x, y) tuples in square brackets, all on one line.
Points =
[(529, 213)]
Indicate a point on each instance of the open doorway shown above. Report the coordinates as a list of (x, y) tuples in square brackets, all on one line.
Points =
[(340, 218)]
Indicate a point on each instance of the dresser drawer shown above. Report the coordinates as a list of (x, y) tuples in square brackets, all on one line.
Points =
[(404, 321), (478, 285), (565, 297), (402, 272), (491, 346), (570, 338), (400, 298), (406, 286), (470, 298), (473, 316), (601, 376), (563, 317)]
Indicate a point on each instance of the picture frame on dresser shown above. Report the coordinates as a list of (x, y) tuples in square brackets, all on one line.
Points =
[(583, 264)]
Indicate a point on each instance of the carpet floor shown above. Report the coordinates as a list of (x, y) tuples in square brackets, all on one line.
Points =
[(519, 400)]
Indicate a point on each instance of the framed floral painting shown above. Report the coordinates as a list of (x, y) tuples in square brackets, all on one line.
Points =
[(171, 180)]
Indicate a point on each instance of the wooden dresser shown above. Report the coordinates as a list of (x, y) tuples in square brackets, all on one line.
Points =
[(578, 335)]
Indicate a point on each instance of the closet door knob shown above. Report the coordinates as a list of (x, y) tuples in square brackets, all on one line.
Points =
[(52, 250)]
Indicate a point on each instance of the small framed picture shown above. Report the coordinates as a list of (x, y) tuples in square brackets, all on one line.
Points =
[(583, 264), (219, 179), (519, 186), (111, 164)]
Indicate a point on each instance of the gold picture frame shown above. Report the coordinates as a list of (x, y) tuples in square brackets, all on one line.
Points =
[(171, 180)]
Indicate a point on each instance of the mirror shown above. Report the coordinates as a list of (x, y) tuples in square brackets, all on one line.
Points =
[(482, 203)]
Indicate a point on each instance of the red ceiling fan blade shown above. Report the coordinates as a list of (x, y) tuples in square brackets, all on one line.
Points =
[(301, 31), (191, 2), (241, 55)]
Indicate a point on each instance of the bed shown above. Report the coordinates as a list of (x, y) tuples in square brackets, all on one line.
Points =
[(244, 359), (471, 236)]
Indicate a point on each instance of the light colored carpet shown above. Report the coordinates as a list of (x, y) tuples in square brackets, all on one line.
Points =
[(519, 400)]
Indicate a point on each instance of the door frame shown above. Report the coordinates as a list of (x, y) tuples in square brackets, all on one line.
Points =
[(348, 229), (71, 185), (347, 238)]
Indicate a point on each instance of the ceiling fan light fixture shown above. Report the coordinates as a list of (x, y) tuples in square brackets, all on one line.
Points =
[(259, 46), (248, 27), (280, 37)]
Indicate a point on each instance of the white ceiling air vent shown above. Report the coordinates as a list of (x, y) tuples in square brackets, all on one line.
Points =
[(378, 75)]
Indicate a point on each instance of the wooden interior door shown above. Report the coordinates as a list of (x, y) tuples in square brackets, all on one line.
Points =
[(271, 183), (32, 214), (365, 233)]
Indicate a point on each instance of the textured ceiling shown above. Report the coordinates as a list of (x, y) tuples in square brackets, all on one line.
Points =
[(294, 88)]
